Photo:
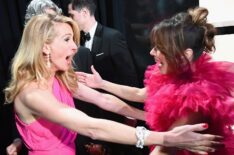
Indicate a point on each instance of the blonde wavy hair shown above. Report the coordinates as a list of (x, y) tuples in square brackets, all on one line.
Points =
[(29, 64)]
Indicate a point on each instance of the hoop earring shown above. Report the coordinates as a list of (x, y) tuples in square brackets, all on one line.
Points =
[(48, 64)]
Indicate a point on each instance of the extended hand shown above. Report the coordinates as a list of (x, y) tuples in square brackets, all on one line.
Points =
[(15, 147), (185, 137), (91, 80)]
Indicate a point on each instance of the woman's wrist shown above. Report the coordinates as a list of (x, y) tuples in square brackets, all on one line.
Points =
[(155, 138), (104, 85), (141, 133)]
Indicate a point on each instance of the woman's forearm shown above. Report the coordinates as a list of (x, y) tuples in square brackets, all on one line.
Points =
[(108, 102), (120, 133), (116, 105), (125, 92)]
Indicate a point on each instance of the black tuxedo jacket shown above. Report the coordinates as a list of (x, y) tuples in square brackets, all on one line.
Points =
[(112, 58)]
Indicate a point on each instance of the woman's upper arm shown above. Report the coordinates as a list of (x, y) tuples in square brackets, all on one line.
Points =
[(43, 104)]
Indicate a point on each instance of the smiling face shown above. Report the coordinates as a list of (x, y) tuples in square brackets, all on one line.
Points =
[(160, 59), (62, 48)]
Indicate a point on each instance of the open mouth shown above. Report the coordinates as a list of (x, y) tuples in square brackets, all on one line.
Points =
[(68, 59), (159, 62)]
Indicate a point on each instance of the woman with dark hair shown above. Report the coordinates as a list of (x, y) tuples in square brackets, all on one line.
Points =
[(185, 86)]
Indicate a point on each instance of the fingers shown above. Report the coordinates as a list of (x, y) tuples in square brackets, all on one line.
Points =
[(190, 128), (80, 73), (11, 150), (211, 137), (198, 127), (199, 152), (82, 76), (206, 140), (208, 143), (81, 79), (202, 149), (204, 146), (213, 140), (93, 70)]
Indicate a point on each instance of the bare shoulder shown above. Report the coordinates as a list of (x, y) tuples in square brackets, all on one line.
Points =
[(31, 92), (35, 101), (25, 100)]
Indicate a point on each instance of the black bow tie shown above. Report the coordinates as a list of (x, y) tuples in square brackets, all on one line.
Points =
[(84, 37)]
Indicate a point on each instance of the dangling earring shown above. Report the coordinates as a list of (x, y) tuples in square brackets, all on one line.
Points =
[(48, 64)]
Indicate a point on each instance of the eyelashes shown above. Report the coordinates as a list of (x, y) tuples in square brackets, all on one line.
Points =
[(67, 39)]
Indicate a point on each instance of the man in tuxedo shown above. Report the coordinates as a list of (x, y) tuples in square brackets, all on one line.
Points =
[(111, 58)]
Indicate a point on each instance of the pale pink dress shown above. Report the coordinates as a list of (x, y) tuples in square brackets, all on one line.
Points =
[(43, 137)]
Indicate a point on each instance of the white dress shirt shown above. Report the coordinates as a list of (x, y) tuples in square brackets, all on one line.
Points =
[(89, 43)]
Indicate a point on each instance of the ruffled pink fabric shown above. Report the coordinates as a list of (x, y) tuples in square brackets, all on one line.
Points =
[(206, 90)]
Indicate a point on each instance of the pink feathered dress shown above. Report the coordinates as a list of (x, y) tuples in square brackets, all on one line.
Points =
[(43, 137), (207, 90)]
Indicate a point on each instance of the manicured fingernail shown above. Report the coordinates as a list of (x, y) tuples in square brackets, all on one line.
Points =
[(205, 125)]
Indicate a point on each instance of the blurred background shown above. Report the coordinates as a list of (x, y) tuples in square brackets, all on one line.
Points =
[(134, 18)]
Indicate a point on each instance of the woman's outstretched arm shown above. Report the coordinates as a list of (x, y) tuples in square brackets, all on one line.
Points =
[(126, 92), (41, 103), (108, 102)]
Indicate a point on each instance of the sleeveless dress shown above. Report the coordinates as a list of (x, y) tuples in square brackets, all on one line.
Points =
[(43, 137), (208, 90)]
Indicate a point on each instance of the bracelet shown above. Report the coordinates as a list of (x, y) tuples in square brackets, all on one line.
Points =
[(141, 134)]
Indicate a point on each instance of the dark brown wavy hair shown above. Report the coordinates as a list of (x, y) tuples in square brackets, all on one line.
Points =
[(184, 30)]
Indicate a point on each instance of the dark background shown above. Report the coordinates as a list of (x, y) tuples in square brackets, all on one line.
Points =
[(134, 18)]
